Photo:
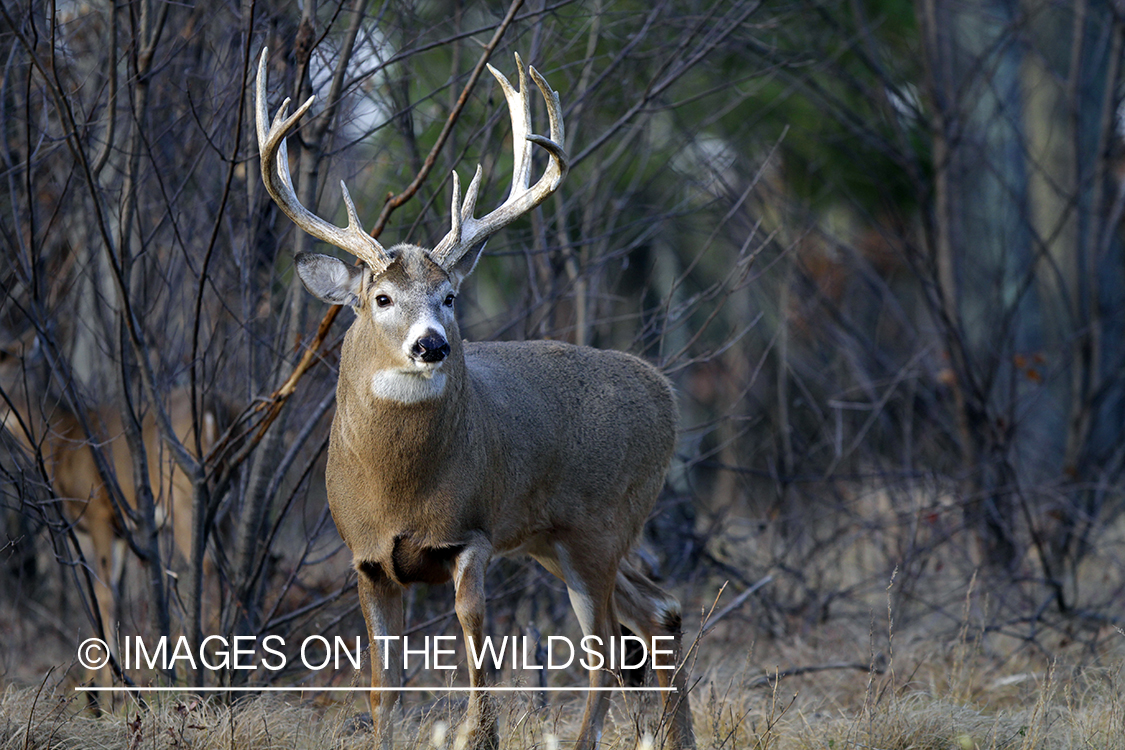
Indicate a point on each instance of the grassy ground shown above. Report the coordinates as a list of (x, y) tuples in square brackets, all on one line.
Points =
[(883, 638), (921, 695)]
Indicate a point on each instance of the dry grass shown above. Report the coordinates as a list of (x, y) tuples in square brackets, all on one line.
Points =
[(958, 666), (57, 720), (948, 697)]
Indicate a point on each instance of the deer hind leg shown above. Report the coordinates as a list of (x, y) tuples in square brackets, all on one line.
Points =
[(468, 579), (380, 598), (590, 586), (650, 612)]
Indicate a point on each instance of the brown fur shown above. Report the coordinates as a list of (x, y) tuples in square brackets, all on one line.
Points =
[(67, 455)]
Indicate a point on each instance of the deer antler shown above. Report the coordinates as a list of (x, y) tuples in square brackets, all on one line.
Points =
[(468, 232), (279, 183)]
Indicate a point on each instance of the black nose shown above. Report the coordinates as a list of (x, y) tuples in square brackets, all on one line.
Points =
[(431, 348)]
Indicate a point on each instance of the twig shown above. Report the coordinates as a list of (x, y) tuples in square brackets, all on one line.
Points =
[(34, 703), (770, 679), (738, 600)]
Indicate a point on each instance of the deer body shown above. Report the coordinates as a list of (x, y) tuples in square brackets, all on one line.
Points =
[(444, 454), (499, 452)]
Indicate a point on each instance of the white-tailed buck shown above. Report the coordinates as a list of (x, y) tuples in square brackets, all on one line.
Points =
[(36, 417), (445, 453)]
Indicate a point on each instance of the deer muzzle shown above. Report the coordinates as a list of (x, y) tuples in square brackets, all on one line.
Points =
[(431, 348)]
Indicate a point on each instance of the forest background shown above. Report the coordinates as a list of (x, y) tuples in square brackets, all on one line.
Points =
[(876, 244)]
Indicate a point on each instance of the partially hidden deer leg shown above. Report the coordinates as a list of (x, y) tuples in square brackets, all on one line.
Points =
[(655, 615)]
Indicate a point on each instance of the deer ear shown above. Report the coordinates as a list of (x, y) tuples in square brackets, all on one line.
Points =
[(330, 279), (465, 264)]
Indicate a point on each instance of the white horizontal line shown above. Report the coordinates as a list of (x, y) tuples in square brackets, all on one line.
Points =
[(459, 689)]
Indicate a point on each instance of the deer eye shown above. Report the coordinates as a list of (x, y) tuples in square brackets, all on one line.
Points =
[(449, 300), (383, 300)]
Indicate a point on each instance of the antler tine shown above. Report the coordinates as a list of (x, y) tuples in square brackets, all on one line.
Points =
[(554, 145), (519, 107), (469, 232), (470, 204), (279, 182), (455, 211)]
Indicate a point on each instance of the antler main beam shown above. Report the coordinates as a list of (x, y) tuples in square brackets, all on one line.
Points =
[(279, 183), (468, 232)]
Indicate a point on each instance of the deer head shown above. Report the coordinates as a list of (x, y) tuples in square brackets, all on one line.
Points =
[(407, 291)]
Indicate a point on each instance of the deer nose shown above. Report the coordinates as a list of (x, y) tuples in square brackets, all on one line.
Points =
[(430, 348)]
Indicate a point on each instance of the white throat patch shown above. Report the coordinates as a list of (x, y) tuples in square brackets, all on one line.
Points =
[(408, 387)]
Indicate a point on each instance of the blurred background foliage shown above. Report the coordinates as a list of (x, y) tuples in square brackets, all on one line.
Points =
[(876, 245)]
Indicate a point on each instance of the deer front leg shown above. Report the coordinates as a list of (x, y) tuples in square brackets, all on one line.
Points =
[(468, 579), (380, 598)]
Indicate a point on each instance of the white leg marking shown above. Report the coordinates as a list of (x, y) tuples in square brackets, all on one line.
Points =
[(464, 560), (579, 595)]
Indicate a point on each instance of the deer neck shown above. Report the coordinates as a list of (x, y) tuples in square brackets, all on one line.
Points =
[(425, 418)]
